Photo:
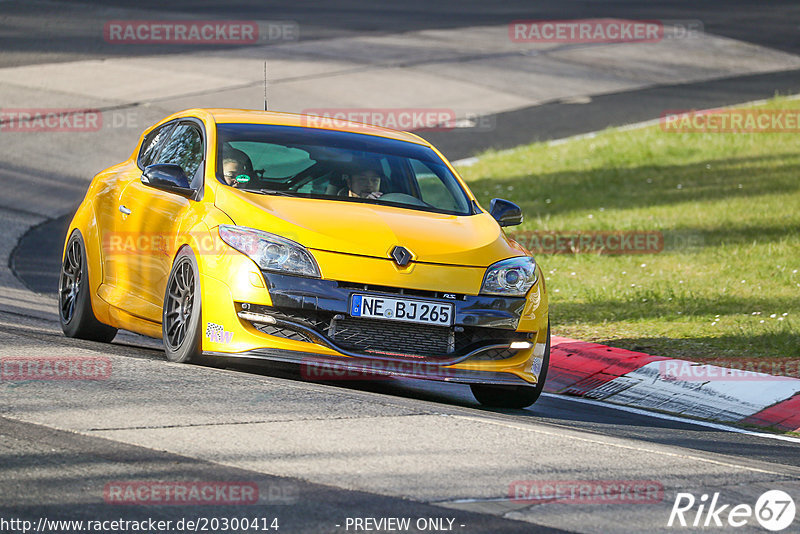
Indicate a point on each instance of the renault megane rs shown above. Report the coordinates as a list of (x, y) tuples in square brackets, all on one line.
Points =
[(233, 233)]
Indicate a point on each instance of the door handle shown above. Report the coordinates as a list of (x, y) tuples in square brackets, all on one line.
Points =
[(124, 210)]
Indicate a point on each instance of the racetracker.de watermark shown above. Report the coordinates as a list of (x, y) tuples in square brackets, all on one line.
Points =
[(731, 121), (587, 491), (591, 242), (602, 31), (39, 120), (372, 369), (199, 32), (54, 368), (116, 244), (406, 119), (729, 371), (50, 120), (180, 493)]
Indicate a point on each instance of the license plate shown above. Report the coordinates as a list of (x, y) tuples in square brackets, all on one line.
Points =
[(400, 309)]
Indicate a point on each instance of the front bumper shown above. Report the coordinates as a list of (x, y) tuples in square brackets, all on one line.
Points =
[(303, 312), (317, 311)]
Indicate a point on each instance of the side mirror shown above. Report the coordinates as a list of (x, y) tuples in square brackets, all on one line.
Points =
[(168, 177), (505, 213)]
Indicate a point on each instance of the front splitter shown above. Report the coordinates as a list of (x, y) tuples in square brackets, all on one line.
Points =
[(323, 367)]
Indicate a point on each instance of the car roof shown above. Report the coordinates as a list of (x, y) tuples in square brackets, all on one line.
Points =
[(249, 116)]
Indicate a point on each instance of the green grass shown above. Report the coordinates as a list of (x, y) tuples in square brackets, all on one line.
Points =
[(727, 283)]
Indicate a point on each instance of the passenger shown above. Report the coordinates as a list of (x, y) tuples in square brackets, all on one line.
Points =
[(237, 168)]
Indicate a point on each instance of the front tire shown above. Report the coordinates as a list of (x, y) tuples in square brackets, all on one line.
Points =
[(180, 320), (74, 302), (514, 396)]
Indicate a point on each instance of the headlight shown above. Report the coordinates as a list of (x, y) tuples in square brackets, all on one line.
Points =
[(270, 252), (512, 277)]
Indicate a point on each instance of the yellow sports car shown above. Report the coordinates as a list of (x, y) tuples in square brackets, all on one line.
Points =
[(338, 246)]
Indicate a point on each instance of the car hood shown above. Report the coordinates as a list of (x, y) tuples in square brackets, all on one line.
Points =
[(372, 230)]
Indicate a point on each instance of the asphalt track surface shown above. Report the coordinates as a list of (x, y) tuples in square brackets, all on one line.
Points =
[(59, 446), (773, 26)]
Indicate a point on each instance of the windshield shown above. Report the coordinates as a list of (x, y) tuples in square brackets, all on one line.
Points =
[(314, 163)]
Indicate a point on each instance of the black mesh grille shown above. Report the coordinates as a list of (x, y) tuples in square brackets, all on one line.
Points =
[(391, 338), (381, 337), (495, 354), (312, 319), (475, 337), (279, 331)]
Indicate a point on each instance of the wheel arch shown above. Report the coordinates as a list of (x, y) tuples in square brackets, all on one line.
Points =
[(85, 223)]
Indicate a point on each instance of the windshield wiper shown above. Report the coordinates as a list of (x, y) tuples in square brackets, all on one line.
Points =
[(270, 192)]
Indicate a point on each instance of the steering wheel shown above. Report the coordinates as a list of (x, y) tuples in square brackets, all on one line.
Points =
[(402, 198)]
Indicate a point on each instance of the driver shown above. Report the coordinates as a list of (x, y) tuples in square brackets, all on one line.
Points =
[(364, 183)]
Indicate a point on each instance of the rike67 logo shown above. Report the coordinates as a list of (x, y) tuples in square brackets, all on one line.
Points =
[(774, 510)]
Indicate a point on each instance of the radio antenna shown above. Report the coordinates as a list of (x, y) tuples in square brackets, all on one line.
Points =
[(265, 86)]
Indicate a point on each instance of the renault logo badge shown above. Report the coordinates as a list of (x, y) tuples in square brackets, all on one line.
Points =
[(401, 256)]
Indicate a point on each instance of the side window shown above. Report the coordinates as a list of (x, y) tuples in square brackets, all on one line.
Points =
[(152, 143), (185, 148)]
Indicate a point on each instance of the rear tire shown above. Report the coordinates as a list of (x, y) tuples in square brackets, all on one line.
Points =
[(180, 320), (74, 302), (514, 396)]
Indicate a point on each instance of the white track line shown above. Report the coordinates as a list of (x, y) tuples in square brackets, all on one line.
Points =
[(675, 418)]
